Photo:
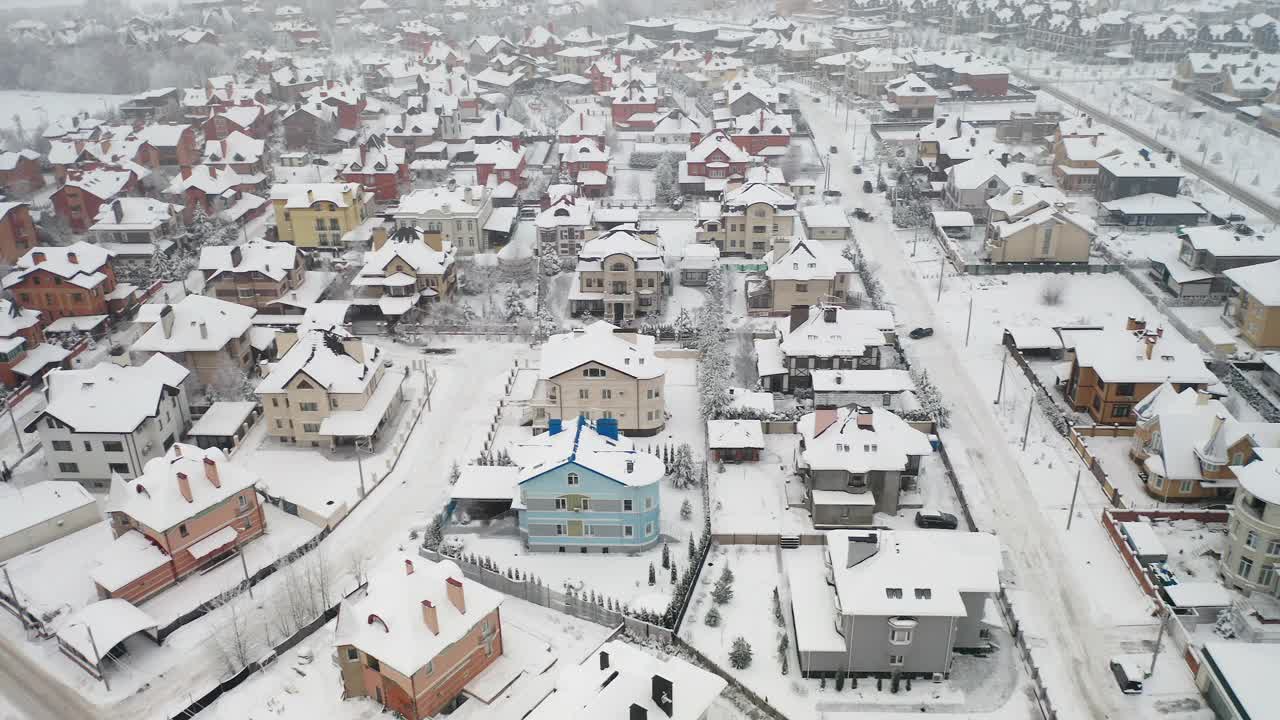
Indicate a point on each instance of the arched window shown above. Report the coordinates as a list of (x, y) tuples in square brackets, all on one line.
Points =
[(572, 478)]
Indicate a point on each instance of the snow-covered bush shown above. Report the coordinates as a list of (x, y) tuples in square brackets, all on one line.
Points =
[(740, 655)]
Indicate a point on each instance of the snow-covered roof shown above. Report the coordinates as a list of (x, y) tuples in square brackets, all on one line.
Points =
[(424, 259), (1260, 281), (39, 502), (322, 355), (156, 498), (501, 155), (807, 260), (978, 171), (224, 418), (825, 216), (134, 214), (387, 619), (859, 439), (1154, 204), (273, 259), (1261, 478), (901, 573), (735, 434), (102, 625), (1133, 164), (752, 193), (79, 263), (200, 324), (620, 240), (862, 381), (462, 200), (582, 123), (1248, 672), (833, 332), (717, 141), (911, 85), (486, 482), (769, 357), (1121, 356), (236, 147), (303, 195), (1225, 242), (618, 676), (583, 445), (564, 211), (15, 319), (600, 343), (108, 398)]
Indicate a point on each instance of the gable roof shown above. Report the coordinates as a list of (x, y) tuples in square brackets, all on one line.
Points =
[(200, 324), (272, 259), (806, 260), (582, 444), (154, 498), (80, 263), (597, 343), (108, 398), (321, 354)]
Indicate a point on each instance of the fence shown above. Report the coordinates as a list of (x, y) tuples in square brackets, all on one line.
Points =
[(1039, 691), (539, 594)]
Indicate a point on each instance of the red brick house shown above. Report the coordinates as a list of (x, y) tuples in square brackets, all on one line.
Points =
[(237, 151), (759, 131), (308, 124), (632, 99), (588, 165), (581, 126), (711, 162), (70, 281), (289, 83), (189, 509), (346, 100), (17, 231), (210, 187), (499, 162), (86, 191), (250, 118), (378, 166), (20, 331), (173, 144), (983, 77), (20, 171)]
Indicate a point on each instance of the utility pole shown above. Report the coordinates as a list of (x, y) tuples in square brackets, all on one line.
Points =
[(1027, 430), (243, 564), (1072, 511), (8, 405), (1004, 363), (359, 466), (1164, 619), (9, 581), (942, 271), (102, 673), (968, 324)]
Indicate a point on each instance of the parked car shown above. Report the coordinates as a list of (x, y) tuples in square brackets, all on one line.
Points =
[(862, 215), (817, 99), (867, 187), (834, 150), (936, 520), (1129, 676), (677, 202), (857, 169), (920, 333)]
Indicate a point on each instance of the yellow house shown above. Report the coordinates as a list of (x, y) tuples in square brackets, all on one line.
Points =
[(1032, 224), (1256, 305), (317, 215)]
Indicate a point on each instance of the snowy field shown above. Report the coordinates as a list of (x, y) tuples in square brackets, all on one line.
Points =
[(36, 108)]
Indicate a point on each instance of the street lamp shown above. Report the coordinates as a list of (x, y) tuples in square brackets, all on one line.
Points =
[(359, 464), (248, 525)]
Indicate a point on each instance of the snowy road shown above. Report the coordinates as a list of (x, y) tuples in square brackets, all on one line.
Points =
[(1034, 556), (28, 688)]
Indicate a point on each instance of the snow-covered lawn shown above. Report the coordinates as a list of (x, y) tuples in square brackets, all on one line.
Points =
[(35, 108), (751, 498)]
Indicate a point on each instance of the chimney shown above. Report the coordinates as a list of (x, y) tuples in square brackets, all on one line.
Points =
[(1149, 341), (866, 418), (823, 418), (1004, 160), (638, 713), (608, 427), (1088, 121), (184, 486), (213, 171), (454, 589), (1202, 397), (829, 314), (1168, 156), (408, 566), (37, 257), (117, 210), (1093, 140), (861, 547), (554, 426), (429, 615), (237, 256), (467, 194), (1017, 196), (71, 258), (706, 57), (211, 473), (660, 691), (204, 330), (617, 61), (631, 466), (604, 660), (166, 326), (186, 172), (799, 316)]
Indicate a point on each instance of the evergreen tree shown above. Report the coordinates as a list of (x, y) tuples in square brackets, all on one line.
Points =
[(666, 556), (653, 575), (675, 577), (684, 327), (722, 593), (686, 513), (550, 260), (693, 550), (545, 324), (514, 307), (666, 179), (683, 472), (740, 655), (713, 617), (455, 472)]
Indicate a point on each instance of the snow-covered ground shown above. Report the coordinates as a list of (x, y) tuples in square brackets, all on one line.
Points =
[(35, 108)]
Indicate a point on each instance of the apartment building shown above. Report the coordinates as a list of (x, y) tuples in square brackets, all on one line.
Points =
[(601, 371)]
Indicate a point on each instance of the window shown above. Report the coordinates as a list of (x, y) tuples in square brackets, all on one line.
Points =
[(275, 402), (571, 478), (311, 427), (68, 467), (648, 529), (1124, 390), (1273, 547), (648, 503), (802, 287), (627, 506), (584, 393), (1187, 487), (375, 666), (593, 372), (112, 446), (606, 394), (560, 531), (896, 660), (1046, 244), (353, 654), (244, 501), (628, 531), (308, 407), (122, 468), (88, 446), (586, 503), (561, 504), (182, 530), (1122, 411), (1251, 540), (1245, 568), (759, 229), (333, 403), (62, 445), (1267, 575)]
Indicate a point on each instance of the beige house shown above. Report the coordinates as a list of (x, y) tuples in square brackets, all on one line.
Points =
[(209, 337), (801, 272), (455, 215), (1034, 224), (327, 388), (752, 216), (1256, 304), (1253, 537), (403, 272), (620, 275), (601, 371), (255, 273)]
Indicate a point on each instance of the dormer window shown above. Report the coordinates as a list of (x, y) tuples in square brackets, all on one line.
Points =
[(571, 478)]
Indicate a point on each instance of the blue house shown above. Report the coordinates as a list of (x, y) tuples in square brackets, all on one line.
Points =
[(585, 489)]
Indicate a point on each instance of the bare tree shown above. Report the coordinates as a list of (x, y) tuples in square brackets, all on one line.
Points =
[(233, 639)]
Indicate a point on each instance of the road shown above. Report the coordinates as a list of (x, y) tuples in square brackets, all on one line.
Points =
[(27, 687), (1035, 555)]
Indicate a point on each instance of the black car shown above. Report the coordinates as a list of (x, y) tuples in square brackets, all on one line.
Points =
[(920, 333), (867, 187), (857, 169), (861, 214), (936, 520)]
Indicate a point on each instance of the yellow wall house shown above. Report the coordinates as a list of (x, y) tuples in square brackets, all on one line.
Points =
[(1256, 305), (1031, 224), (317, 215)]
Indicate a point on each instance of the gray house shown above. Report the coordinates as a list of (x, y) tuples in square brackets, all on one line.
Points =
[(903, 601), (856, 461), (1137, 173)]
